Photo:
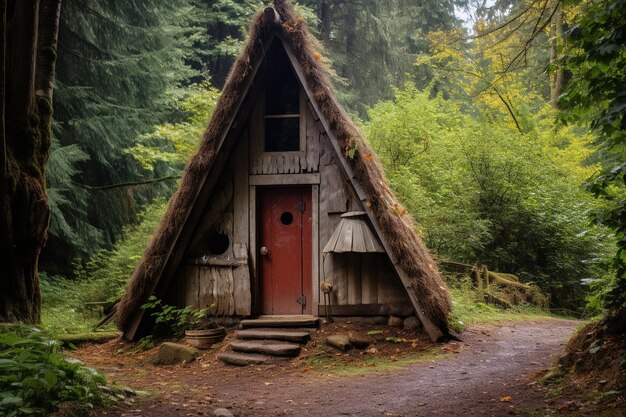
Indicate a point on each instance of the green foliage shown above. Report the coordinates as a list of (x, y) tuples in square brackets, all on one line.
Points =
[(102, 278), (226, 24), (596, 58), (174, 143), (372, 44), (66, 198), (176, 319), (483, 192), (108, 271), (469, 307), (35, 378), (109, 92)]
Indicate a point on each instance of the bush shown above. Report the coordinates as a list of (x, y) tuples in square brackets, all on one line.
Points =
[(35, 378), (102, 278), (485, 193)]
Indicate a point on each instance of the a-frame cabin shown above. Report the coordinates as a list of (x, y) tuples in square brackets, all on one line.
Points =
[(284, 194)]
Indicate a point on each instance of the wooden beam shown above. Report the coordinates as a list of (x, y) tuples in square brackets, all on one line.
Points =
[(287, 179), (401, 310)]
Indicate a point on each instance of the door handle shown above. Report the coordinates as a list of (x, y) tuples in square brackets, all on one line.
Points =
[(263, 251)]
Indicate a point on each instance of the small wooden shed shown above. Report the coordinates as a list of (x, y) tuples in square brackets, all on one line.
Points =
[(284, 194)]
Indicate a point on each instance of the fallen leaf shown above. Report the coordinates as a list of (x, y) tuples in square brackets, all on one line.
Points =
[(505, 399)]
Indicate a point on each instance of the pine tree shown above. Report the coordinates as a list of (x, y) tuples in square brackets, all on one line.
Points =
[(120, 68)]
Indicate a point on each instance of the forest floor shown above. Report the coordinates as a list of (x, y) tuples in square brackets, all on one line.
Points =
[(494, 371)]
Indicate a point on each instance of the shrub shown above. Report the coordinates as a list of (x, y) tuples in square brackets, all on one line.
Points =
[(35, 378)]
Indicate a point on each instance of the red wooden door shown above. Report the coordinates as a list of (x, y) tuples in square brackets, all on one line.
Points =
[(284, 250)]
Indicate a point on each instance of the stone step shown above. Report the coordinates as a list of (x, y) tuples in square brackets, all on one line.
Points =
[(268, 347), (243, 359), (281, 321), (274, 334)]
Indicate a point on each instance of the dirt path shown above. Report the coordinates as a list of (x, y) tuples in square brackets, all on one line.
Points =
[(493, 364)]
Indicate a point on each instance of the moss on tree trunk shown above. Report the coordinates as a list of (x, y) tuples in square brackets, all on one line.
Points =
[(28, 54)]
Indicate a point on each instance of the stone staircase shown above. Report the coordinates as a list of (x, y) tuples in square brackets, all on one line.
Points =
[(268, 339)]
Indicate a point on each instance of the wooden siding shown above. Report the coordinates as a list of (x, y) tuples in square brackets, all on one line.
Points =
[(357, 278), (224, 280)]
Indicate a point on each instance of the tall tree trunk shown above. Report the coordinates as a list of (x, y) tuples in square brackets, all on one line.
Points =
[(29, 51), (351, 39), (557, 74), (324, 15)]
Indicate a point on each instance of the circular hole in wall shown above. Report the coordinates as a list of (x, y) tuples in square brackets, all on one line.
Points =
[(286, 218), (218, 243)]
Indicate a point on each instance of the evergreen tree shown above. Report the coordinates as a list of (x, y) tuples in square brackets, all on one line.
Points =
[(120, 67), (373, 43)]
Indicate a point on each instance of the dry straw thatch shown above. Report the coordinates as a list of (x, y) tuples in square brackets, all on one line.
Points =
[(394, 222)]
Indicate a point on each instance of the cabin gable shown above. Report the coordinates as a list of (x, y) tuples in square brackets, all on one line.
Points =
[(280, 145)]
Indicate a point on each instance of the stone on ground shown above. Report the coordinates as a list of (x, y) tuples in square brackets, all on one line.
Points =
[(395, 321), (274, 334), (412, 323), (173, 353), (222, 412), (242, 359), (339, 341), (281, 321), (266, 347), (359, 342)]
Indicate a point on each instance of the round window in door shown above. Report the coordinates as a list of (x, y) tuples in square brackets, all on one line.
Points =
[(286, 218)]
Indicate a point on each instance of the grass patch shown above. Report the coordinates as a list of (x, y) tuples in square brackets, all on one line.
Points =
[(65, 310), (329, 362), (467, 309)]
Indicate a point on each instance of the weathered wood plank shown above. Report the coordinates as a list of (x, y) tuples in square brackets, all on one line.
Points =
[(224, 295), (215, 261), (370, 281), (206, 281), (295, 179), (241, 209), (241, 279), (334, 189), (390, 288), (280, 164), (312, 144), (340, 273), (354, 278), (345, 235), (192, 287), (358, 238), (327, 154), (402, 310), (264, 164), (230, 295), (273, 164)]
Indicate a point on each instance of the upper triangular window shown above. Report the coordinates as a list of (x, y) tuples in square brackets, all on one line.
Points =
[(282, 103)]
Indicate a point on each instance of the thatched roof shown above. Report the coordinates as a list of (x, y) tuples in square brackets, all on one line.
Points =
[(394, 225)]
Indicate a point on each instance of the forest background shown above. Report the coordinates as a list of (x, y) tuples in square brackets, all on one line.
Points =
[(465, 102)]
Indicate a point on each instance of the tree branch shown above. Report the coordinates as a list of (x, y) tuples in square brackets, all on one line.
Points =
[(125, 184)]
